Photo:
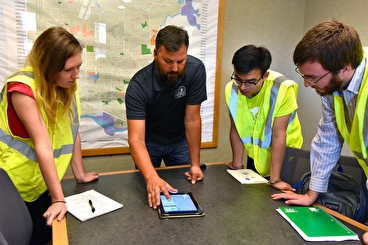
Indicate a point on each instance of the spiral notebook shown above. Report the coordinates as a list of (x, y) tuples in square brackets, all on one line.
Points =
[(314, 224)]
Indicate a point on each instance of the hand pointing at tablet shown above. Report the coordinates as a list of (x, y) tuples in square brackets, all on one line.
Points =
[(156, 185)]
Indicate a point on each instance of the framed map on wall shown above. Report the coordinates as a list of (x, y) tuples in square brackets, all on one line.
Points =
[(119, 38)]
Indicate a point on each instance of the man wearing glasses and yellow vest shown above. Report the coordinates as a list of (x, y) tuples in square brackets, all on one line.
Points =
[(262, 106)]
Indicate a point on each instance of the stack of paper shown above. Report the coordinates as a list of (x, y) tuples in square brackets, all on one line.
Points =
[(247, 176), (90, 204), (314, 224)]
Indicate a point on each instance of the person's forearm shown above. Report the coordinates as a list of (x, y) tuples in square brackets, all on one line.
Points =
[(77, 162), (313, 195), (50, 175), (237, 149), (142, 159), (193, 136), (278, 149)]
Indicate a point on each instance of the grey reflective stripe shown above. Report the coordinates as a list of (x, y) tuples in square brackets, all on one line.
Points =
[(27, 150), (233, 101), (292, 116), (18, 145), (268, 128), (1, 94), (22, 73), (65, 149), (75, 126), (365, 136)]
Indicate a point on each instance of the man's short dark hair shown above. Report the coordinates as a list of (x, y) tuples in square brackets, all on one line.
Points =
[(250, 57), (172, 38)]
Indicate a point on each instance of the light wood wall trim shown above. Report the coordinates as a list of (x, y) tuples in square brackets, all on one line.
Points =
[(136, 170), (126, 150)]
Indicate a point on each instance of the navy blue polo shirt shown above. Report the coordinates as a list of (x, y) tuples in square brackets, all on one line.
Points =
[(163, 107)]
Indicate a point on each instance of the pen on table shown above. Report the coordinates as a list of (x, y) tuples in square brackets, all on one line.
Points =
[(91, 204)]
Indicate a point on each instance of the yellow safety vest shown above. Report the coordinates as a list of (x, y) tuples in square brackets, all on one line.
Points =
[(17, 155), (357, 138), (256, 136)]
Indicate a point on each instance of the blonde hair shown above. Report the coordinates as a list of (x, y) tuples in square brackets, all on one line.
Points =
[(47, 58)]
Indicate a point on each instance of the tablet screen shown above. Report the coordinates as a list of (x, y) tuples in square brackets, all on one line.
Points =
[(181, 204), (178, 203)]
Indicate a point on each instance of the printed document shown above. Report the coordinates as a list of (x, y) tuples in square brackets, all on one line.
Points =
[(247, 176), (90, 204)]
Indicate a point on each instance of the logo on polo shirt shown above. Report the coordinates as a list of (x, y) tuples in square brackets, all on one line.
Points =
[(180, 92)]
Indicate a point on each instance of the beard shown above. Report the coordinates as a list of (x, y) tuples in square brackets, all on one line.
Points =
[(170, 78), (334, 85)]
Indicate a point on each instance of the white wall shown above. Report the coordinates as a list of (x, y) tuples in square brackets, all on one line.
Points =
[(279, 26)]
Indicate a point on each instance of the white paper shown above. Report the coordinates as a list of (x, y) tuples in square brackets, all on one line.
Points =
[(247, 176), (78, 205)]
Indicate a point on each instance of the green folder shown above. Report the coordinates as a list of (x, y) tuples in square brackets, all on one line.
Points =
[(314, 224)]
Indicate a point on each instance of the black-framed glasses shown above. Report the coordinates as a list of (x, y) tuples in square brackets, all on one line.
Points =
[(314, 82), (248, 83)]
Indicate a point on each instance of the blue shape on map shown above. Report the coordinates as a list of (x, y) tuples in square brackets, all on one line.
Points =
[(191, 13), (93, 76), (106, 121)]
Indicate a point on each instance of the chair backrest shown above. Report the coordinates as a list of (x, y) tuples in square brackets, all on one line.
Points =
[(296, 164), (352, 167), (15, 220)]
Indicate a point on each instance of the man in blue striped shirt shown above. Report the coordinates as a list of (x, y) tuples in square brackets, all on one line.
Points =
[(331, 60)]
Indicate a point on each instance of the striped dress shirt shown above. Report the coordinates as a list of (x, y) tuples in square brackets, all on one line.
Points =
[(327, 144)]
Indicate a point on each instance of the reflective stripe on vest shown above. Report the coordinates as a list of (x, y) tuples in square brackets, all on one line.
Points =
[(268, 128), (22, 73), (28, 151)]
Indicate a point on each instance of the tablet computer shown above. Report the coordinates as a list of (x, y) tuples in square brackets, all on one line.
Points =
[(181, 205)]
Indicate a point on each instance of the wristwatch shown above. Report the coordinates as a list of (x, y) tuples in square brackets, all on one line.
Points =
[(274, 181)]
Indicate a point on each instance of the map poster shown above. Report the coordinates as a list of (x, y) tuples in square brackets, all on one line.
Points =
[(119, 38)]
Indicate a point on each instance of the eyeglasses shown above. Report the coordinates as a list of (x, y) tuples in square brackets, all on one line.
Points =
[(310, 79), (248, 84)]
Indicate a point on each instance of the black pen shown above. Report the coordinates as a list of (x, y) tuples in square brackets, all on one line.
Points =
[(91, 204)]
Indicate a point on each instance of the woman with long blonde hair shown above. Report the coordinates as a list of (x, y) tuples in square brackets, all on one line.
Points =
[(39, 120)]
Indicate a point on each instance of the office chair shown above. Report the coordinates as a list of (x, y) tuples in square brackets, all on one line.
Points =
[(296, 163), (15, 220)]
